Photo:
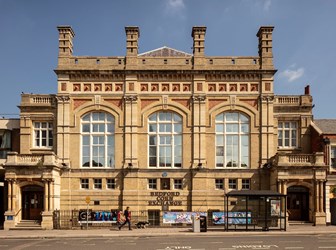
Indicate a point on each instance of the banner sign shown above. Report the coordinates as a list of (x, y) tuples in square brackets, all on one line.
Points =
[(181, 217), (234, 218), (97, 216)]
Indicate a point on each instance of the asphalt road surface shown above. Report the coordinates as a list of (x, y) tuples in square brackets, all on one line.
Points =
[(294, 242)]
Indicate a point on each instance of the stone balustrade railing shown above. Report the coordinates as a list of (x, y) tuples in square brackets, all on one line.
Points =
[(15, 159), (316, 159)]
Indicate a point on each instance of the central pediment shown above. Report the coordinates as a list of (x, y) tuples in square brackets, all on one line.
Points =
[(165, 52)]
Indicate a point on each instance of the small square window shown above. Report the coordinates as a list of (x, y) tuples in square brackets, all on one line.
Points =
[(178, 184), (96, 202), (165, 61), (152, 184), (84, 183), (232, 183), (246, 184), (110, 183), (97, 183), (219, 184)]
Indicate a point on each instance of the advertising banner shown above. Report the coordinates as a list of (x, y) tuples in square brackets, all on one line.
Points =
[(234, 218), (181, 217), (97, 216)]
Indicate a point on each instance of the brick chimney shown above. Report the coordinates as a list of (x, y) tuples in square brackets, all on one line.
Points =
[(66, 36), (132, 36), (265, 47)]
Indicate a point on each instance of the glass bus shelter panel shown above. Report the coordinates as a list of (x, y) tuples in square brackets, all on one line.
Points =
[(255, 213)]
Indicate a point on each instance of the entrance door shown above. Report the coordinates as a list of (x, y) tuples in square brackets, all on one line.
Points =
[(154, 217), (32, 202), (298, 203)]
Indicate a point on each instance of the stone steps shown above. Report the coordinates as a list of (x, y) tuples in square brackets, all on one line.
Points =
[(27, 225)]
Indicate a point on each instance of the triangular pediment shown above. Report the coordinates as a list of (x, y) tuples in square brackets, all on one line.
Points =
[(165, 52)]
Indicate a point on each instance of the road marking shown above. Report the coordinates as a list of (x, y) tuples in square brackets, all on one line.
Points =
[(290, 241), (327, 247), (294, 247)]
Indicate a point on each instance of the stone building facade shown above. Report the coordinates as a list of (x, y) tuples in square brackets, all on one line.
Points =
[(162, 130)]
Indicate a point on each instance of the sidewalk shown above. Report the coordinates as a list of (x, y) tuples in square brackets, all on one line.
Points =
[(152, 232)]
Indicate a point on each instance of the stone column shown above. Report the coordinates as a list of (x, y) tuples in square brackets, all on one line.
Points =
[(280, 186), (10, 213), (46, 195), (319, 214), (47, 219), (10, 195), (316, 202), (321, 196)]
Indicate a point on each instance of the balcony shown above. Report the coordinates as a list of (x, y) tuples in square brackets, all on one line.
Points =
[(38, 100), (300, 160), (26, 160)]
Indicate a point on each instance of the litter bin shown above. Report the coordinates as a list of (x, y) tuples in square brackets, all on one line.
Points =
[(203, 223), (196, 224)]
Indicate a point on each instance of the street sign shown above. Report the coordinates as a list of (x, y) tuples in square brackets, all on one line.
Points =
[(87, 199)]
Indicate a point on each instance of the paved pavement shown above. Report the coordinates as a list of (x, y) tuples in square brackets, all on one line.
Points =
[(161, 231)]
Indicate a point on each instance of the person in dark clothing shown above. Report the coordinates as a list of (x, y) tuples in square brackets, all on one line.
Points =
[(127, 215)]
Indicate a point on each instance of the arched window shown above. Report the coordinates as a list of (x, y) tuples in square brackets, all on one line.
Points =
[(232, 140), (97, 140), (165, 140)]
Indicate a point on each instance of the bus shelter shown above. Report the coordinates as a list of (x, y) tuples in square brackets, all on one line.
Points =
[(255, 210)]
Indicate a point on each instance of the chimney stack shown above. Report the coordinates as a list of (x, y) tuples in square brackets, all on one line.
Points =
[(66, 36), (132, 36), (265, 47)]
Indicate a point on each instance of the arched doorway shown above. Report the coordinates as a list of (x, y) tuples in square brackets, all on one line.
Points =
[(32, 202), (298, 203)]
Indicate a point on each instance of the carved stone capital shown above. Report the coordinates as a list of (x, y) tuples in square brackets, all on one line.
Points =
[(63, 99), (267, 98), (199, 98), (130, 98)]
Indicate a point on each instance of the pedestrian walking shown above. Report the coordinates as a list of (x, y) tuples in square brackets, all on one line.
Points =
[(127, 214)]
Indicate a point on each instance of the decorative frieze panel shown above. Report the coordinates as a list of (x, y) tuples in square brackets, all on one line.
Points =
[(146, 102), (176, 77), (215, 102), (165, 87), (232, 77), (79, 102), (183, 102), (96, 77), (97, 87), (116, 102)]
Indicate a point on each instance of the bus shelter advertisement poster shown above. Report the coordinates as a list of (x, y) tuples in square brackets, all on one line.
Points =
[(234, 218), (181, 217)]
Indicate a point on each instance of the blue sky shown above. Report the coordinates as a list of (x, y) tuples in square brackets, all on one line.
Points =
[(304, 37)]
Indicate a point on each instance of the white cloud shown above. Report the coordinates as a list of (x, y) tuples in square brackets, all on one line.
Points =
[(292, 75), (175, 4)]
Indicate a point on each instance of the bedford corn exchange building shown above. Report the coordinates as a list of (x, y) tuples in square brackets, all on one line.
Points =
[(162, 130)]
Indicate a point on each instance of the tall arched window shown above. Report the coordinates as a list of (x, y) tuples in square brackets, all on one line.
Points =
[(165, 139), (97, 140), (232, 140)]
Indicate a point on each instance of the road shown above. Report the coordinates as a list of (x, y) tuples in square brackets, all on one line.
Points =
[(288, 242)]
